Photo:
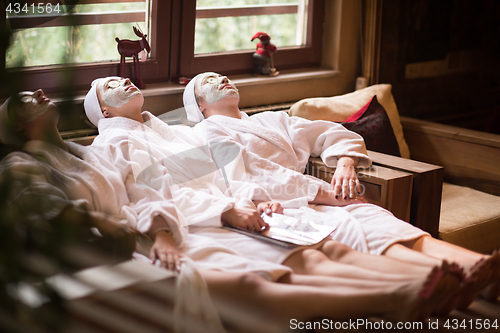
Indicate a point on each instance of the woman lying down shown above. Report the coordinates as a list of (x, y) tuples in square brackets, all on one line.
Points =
[(274, 139), (81, 177), (153, 149)]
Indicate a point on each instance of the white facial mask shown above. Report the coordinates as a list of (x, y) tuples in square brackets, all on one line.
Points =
[(29, 111), (116, 96), (211, 89)]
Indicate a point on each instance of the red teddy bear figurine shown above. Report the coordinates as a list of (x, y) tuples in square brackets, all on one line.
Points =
[(263, 57)]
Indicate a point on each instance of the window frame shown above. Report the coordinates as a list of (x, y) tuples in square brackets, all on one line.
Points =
[(75, 77), (240, 62), (172, 53)]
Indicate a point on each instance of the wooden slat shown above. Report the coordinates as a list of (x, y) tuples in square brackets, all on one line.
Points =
[(43, 21), (465, 163), (203, 13), (451, 132)]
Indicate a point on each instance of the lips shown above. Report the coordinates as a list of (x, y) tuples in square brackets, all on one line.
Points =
[(227, 85), (130, 87), (42, 99)]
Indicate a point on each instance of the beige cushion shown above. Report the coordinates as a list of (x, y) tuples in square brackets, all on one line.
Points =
[(339, 108), (470, 218)]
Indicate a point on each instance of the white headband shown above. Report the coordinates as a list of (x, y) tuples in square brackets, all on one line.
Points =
[(192, 109), (91, 103)]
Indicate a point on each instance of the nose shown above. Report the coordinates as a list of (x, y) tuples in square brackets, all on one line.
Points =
[(224, 79), (127, 82), (38, 93)]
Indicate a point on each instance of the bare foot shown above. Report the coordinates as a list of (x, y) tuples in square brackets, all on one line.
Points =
[(438, 285), (449, 303), (492, 291), (478, 277)]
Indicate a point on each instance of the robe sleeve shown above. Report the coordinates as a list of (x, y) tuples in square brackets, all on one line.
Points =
[(152, 191), (143, 201), (325, 139)]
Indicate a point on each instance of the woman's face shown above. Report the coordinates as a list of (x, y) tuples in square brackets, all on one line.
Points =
[(118, 92), (213, 87), (32, 105), (119, 97)]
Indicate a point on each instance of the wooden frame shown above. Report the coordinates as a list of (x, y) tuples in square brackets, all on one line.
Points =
[(78, 76), (470, 158), (229, 63), (385, 187), (426, 190)]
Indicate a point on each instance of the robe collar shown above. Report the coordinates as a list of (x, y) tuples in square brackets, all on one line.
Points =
[(246, 125)]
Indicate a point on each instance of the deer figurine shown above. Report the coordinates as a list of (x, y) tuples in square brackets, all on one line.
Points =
[(131, 48)]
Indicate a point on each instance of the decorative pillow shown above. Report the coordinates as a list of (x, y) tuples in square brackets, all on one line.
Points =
[(373, 124), (339, 108)]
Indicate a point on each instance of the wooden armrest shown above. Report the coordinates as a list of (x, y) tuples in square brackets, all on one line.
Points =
[(385, 187), (427, 187), (470, 158)]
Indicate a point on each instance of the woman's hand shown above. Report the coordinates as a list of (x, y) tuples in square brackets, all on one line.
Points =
[(165, 250), (345, 182), (330, 199), (269, 207), (244, 218)]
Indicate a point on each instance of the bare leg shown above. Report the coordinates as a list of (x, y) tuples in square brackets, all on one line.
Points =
[(313, 262), (482, 272), (404, 253), (341, 253), (443, 250), (344, 298)]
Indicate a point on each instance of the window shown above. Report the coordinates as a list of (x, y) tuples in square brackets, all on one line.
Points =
[(305, 51), (223, 26), (52, 51), (87, 40), (87, 36)]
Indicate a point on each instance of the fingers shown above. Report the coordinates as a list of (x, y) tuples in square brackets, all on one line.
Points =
[(170, 261), (256, 223), (345, 189), (337, 189), (276, 208), (273, 207), (353, 185), (152, 255)]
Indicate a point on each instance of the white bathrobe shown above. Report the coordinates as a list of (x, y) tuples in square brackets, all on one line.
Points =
[(274, 144), (172, 161), (86, 178)]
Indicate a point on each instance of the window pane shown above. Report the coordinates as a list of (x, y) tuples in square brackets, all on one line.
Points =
[(224, 3), (80, 44), (233, 33)]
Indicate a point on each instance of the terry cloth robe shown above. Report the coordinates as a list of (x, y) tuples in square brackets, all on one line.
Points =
[(85, 178), (52, 178), (171, 161), (274, 144)]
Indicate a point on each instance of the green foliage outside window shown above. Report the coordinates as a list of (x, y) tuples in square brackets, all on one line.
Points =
[(56, 45), (234, 33), (96, 43)]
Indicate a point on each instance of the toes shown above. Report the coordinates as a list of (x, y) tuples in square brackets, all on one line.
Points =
[(453, 278), (478, 278)]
